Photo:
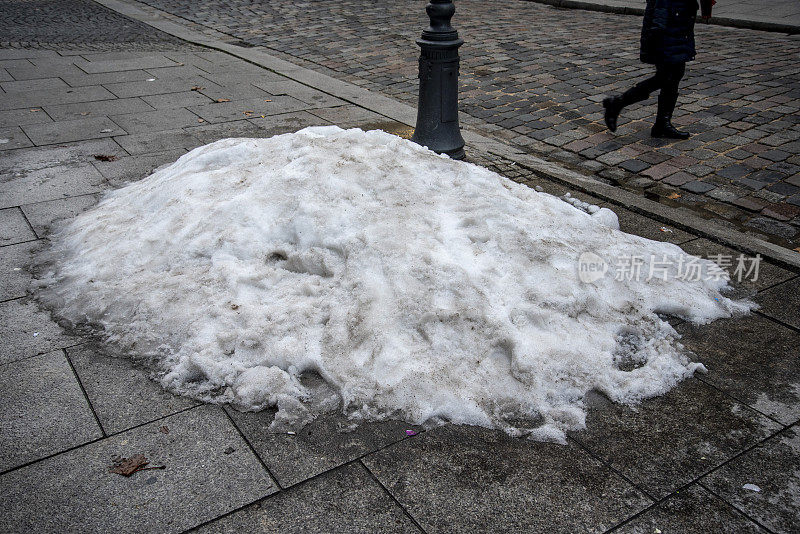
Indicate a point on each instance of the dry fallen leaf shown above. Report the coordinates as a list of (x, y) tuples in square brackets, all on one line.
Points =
[(35, 110), (163, 429), (221, 100), (84, 112), (197, 88), (267, 100), (798, 249), (673, 196), (128, 466), (201, 120), (105, 157)]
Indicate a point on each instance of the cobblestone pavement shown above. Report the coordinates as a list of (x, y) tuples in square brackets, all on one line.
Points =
[(78, 122), (537, 75), (65, 24)]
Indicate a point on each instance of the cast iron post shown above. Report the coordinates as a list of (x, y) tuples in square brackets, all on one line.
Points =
[(437, 112)]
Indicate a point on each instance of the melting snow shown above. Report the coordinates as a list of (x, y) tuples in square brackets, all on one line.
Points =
[(417, 287)]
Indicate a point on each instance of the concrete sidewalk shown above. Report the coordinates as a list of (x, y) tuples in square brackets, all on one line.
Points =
[(779, 15), (83, 120)]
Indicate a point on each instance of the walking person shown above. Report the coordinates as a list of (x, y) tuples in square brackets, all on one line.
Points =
[(668, 43)]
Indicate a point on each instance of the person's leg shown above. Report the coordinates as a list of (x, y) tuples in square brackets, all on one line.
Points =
[(641, 91), (669, 75)]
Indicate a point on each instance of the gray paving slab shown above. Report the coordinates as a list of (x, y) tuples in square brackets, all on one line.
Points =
[(349, 116), (133, 168), (72, 130), (27, 331), (33, 85), (782, 302), (13, 227), (177, 100), (113, 65), (248, 108), (49, 215), (344, 500), (177, 71), (57, 61), (154, 142), (5, 76), (33, 72), (634, 223), (468, 479), (324, 444), (666, 442), (11, 138), (82, 79), (288, 122), (753, 359), (156, 87), (767, 275), (121, 393), (74, 491), (307, 94), (222, 74), (153, 121), (774, 468), (83, 110), (17, 117), (44, 97), (7, 63), (14, 274), (693, 509), (43, 410), (208, 133), (50, 183), (225, 88), (21, 162), (121, 55), (21, 53)]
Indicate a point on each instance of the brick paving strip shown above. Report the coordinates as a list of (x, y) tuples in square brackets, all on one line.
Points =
[(535, 75), (677, 463)]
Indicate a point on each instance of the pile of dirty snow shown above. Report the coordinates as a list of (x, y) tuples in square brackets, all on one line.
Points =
[(417, 287)]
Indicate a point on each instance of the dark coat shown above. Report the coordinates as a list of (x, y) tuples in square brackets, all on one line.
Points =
[(668, 31)]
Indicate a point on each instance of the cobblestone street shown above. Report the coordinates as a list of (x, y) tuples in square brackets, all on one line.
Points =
[(41, 24), (537, 75)]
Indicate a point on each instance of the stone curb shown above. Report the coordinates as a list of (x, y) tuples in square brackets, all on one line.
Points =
[(627, 10), (403, 113)]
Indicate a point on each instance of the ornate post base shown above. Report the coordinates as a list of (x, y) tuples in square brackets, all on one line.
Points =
[(437, 112)]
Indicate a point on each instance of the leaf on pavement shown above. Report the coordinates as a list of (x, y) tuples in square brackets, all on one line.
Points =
[(128, 466)]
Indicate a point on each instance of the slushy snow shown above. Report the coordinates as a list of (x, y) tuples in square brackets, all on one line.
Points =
[(415, 286)]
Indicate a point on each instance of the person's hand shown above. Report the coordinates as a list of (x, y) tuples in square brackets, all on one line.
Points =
[(705, 9)]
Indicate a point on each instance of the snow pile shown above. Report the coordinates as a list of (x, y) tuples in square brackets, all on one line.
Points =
[(416, 286)]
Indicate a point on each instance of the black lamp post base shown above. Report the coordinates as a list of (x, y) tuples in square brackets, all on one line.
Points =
[(437, 112)]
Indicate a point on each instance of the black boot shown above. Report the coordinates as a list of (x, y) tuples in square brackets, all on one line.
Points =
[(663, 127), (614, 104)]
